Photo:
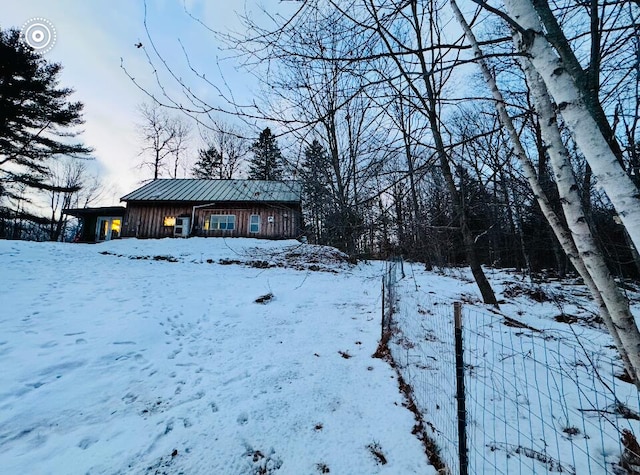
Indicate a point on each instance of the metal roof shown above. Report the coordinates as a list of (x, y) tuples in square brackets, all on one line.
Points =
[(195, 190)]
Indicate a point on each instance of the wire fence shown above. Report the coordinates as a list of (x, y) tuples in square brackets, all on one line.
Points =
[(394, 271), (537, 401)]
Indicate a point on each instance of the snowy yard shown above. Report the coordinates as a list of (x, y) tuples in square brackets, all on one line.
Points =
[(117, 361), (239, 357)]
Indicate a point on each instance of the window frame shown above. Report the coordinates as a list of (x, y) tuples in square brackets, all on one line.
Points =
[(229, 219), (257, 224)]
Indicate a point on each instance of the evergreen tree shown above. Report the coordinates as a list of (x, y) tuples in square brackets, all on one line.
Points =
[(209, 164), (316, 193), (267, 158), (36, 126)]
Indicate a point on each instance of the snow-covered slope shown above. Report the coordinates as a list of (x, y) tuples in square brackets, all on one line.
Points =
[(153, 357), (240, 356)]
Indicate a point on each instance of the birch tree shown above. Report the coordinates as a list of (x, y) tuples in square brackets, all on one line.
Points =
[(614, 305), (531, 41), (577, 241)]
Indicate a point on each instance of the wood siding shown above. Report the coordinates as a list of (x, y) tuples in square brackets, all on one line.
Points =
[(147, 221)]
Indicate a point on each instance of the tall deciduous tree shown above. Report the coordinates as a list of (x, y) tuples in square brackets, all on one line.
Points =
[(37, 125), (267, 158), (575, 237), (417, 27), (564, 81), (180, 147), (164, 137)]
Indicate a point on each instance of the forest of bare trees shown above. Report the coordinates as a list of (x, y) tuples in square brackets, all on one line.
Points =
[(453, 134)]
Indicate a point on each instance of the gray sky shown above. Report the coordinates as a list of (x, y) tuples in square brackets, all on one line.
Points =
[(91, 38)]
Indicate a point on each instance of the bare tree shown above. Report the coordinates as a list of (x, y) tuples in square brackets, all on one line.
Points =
[(180, 146), (231, 146), (163, 137), (317, 93), (422, 29), (66, 179), (555, 62)]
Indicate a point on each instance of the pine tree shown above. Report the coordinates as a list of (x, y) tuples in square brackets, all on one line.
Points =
[(36, 126), (267, 158), (316, 193), (208, 165)]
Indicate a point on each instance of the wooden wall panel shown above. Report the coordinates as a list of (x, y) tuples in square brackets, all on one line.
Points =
[(285, 221), (147, 221)]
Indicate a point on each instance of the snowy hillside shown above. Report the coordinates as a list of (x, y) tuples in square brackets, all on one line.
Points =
[(153, 357), (239, 356)]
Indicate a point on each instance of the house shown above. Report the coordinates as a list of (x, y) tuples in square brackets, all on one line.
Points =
[(232, 208), (98, 224)]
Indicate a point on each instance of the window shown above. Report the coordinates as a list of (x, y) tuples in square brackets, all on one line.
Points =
[(169, 221), (222, 222), (254, 223)]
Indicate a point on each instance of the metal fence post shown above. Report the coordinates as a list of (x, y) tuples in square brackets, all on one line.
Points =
[(462, 411), (383, 310)]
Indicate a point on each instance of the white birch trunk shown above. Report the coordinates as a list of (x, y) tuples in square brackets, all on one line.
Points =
[(622, 192), (622, 326), (560, 231)]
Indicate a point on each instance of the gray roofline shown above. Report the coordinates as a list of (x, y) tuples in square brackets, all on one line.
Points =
[(200, 191)]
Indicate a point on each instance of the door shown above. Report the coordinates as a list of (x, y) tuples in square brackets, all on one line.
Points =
[(103, 229), (107, 228), (181, 228)]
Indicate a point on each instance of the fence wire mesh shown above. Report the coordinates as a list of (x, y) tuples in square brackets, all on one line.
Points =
[(538, 401)]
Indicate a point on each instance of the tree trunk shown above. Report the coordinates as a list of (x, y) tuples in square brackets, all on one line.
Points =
[(621, 324), (593, 271), (618, 186), (484, 286)]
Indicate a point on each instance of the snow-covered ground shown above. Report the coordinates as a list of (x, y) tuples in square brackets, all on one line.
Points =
[(152, 356), (239, 356)]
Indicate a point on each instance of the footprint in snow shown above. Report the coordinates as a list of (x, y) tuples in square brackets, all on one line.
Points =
[(87, 442), (243, 418), (129, 398), (74, 334)]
